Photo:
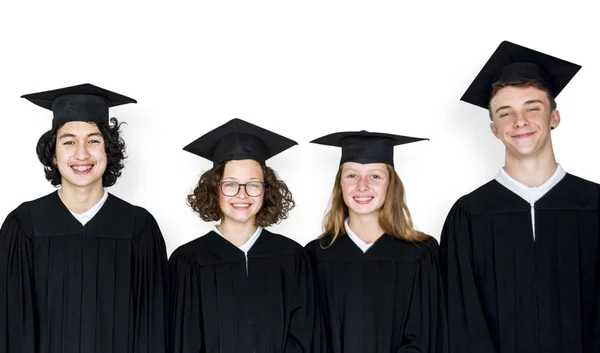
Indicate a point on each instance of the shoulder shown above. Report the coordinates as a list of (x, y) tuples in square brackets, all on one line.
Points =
[(191, 249), (574, 181), (281, 242), (403, 250), (142, 218), (319, 244)]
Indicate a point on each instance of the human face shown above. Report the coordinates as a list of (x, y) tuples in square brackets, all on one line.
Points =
[(522, 119), (241, 208), (364, 187), (80, 155)]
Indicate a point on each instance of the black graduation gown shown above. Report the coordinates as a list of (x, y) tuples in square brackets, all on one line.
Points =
[(221, 306), (65, 288), (509, 293), (386, 300)]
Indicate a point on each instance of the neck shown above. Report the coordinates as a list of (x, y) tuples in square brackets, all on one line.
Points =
[(366, 227), (531, 171), (80, 199), (237, 233)]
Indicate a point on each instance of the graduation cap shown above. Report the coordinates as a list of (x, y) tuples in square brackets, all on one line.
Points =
[(238, 139), (366, 147), (511, 62), (84, 102)]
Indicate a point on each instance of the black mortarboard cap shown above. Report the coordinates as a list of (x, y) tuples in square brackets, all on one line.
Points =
[(238, 139), (512, 62), (84, 102), (366, 147)]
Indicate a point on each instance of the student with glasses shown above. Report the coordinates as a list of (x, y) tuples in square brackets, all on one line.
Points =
[(240, 288)]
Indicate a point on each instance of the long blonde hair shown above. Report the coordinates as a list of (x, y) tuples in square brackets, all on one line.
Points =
[(394, 217)]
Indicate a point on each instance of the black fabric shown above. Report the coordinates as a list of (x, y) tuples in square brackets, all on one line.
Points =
[(220, 305), (512, 62), (237, 140), (66, 288), (506, 291), (388, 299), (84, 102), (365, 147)]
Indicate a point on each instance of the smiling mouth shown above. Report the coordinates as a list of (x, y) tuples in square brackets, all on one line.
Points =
[(363, 200), (82, 169), (523, 135), (240, 206)]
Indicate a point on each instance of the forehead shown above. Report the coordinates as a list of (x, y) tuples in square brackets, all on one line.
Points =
[(245, 168), (78, 128), (514, 95), (359, 167)]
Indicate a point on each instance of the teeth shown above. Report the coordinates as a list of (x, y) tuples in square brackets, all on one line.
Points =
[(241, 205), (363, 198), (81, 168)]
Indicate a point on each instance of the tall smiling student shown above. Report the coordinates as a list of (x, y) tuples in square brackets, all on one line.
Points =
[(240, 288), (521, 256), (80, 269)]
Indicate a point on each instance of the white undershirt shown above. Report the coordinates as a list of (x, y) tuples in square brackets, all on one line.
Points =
[(530, 194), (356, 239), (248, 244), (86, 216)]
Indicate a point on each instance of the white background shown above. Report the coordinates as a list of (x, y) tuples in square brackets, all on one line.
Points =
[(302, 69)]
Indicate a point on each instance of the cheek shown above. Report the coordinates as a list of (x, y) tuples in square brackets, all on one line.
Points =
[(258, 202), (381, 190), (223, 200)]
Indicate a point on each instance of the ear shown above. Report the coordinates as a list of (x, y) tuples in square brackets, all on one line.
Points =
[(494, 129), (554, 119)]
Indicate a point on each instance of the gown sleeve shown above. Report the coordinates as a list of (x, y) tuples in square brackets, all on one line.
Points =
[(319, 343), (150, 286), (185, 324), (302, 318), (468, 331), (426, 320), (17, 328)]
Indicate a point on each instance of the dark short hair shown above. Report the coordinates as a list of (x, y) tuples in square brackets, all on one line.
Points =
[(523, 84), (277, 204), (114, 148)]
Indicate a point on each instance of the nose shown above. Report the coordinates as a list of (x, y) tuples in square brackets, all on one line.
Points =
[(242, 193), (362, 184), (81, 153), (520, 121)]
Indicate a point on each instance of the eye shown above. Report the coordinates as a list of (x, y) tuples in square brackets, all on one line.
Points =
[(533, 109), (254, 186), (375, 176), (503, 115), (351, 176), (230, 184), (94, 141), (68, 143)]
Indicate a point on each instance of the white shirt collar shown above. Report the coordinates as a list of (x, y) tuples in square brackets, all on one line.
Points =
[(355, 238), (248, 244), (530, 194), (86, 216)]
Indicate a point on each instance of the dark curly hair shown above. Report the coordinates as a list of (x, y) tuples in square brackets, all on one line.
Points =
[(278, 201), (114, 147)]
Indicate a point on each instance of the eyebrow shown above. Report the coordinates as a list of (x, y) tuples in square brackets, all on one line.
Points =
[(368, 171), (236, 179), (528, 102), (534, 101), (65, 135)]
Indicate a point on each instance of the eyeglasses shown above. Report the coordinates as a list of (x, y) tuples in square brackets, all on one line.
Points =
[(232, 188)]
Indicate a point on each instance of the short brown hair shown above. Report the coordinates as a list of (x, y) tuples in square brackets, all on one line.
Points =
[(278, 201), (394, 217), (523, 84)]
